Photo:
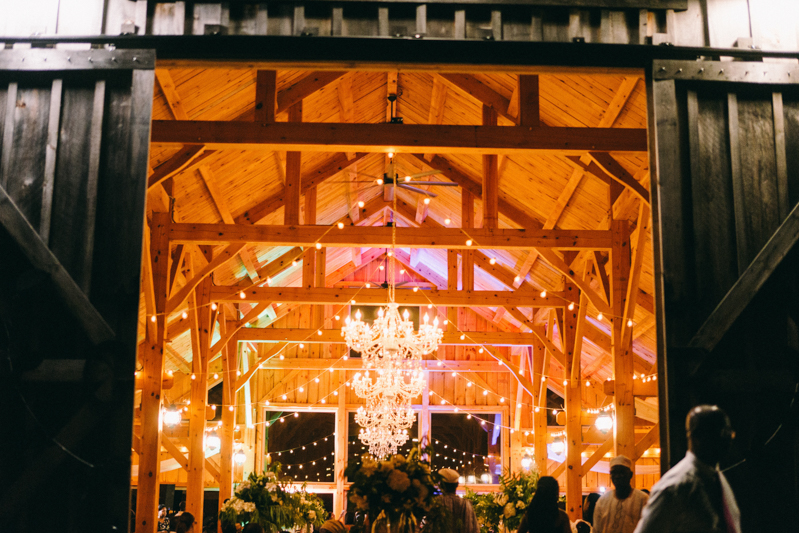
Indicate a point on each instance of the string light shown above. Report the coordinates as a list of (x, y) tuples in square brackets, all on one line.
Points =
[(599, 316), (360, 203), (543, 294), (427, 201), (492, 261), (340, 225), (447, 222)]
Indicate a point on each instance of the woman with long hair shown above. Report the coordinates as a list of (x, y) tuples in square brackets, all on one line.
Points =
[(543, 514)]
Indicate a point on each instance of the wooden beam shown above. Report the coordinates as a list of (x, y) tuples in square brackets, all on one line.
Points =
[(333, 336), (551, 257), (258, 365), (384, 138), (631, 298), (202, 329), (230, 363), (228, 253), (612, 167), (305, 87), (539, 369), (40, 256), (185, 158), (640, 388), (342, 296), (748, 284), (572, 345), (291, 207), (490, 178), (598, 454), (651, 438), (152, 359), (379, 237), (265, 95), (623, 400), (318, 175), (529, 105), (481, 92), (346, 104), (619, 101), (539, 333), (170, 93)]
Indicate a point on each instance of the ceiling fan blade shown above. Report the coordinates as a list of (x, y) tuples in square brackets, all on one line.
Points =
[(436, 183), (416, 189), (425, 173)]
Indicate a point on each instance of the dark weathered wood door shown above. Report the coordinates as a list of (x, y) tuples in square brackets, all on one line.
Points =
[(724, 149), (74, 140)]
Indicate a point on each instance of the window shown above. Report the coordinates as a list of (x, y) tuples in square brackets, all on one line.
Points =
[(470, 444), (304, 443)]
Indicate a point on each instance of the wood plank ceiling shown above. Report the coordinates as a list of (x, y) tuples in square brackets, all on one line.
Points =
[(239, 185)]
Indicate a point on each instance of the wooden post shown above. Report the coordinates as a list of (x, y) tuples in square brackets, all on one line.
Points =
[(490, 177), (529, 105), (291, 214), (152, 376), (321, 272), (467, 221), (573, 389), (265, 96), (229, 367), (540, 416), (623, 400), (201, 336), (424, 414), (340, 502), (452, 285)]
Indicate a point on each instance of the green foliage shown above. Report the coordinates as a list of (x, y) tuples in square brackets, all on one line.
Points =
[(400, 489), (272, 502), (506, 507)]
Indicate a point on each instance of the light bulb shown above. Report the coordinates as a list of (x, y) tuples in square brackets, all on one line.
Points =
[(379, 181), (447, 222), (407, 179), (358, 314), (213, 307), (302, 345), (426, 201), (543, 294), (480, 350), (604, 422), (318, 245), (360, 204), (468, 242), (599, 316), (193, 376), (337, 317), (517, 279), (172, 417), (185, 315), (554, 412), (406, 315), (213, 442), (242, 295), (416, 289), (571, 306), (368, 285), (629, 323), (152, 318), (340, 225), (239, 457)]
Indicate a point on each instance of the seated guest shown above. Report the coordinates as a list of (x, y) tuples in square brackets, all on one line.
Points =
[(543, 514), (332, 526)]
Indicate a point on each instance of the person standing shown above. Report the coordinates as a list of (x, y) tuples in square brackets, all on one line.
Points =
[(543, 515), (463, 517), (695, 495), (619, 510)]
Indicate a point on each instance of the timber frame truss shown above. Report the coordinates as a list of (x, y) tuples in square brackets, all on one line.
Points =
[(599, 269)]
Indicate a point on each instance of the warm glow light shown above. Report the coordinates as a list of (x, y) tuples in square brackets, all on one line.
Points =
[(193, 376), (172, 417), (213, 443), (213, 307), (152, 318), (360, 204), (447, 222), (340, 225), (558, 446), (426, 201), (543, 294), (571, 306), (468, 242), (239, 457), (242, 295), (493, 261), (629, 323), (599, 316), (216, 376), (604, 422), (185, 315), (318, 245)]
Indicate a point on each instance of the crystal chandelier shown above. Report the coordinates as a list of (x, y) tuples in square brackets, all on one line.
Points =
[(392, 352)]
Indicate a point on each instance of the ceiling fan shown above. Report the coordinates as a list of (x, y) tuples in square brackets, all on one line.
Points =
[(410, 183)]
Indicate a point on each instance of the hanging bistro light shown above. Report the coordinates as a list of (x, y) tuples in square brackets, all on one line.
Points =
[(239, 457), (604, 422), (392, 352), (213, 443), (558, 446), (172, 417)]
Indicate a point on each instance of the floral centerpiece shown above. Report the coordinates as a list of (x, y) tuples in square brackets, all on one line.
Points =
[(503, 510), (398, 492), (272, 502)]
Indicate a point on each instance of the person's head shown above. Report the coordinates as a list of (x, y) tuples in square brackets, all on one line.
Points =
[(645, 491), (449, 480), (582, 527), (182, 506), (547, 490), (185, 523), (332, 526), (252, 527), (709, 433), (161, 510), (621, 473)]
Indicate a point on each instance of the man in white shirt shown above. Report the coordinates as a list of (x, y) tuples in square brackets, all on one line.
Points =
[(694, 496), (619, 510)]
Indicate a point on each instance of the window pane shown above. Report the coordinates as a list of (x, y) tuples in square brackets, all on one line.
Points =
[(305, 445), (472, 446), (355, 448)]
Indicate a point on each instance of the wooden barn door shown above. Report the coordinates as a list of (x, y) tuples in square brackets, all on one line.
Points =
[(724, 149), (74, 140)]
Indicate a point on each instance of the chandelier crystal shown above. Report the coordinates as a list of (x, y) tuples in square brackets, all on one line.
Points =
[(392, 352)]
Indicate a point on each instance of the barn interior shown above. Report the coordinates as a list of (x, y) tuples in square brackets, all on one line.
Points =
[(541, 337)]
